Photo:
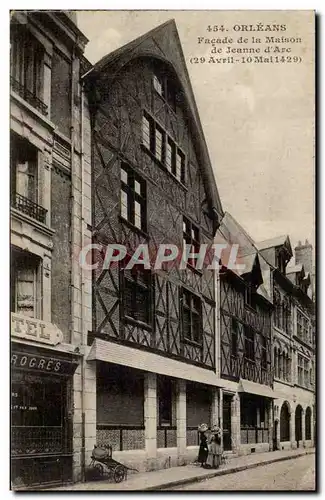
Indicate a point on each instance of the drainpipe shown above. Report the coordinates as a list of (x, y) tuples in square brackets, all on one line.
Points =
[(74, 257), (83, 330)]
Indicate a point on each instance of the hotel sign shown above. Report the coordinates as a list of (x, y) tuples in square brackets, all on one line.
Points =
[(34, 329)]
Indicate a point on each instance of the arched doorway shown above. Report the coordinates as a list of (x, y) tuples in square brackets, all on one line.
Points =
[(298, 424), (285, 422), (308, 423)]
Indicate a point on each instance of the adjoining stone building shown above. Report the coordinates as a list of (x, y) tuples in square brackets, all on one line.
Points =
[(293, 342), (50, 209), (152, 343)]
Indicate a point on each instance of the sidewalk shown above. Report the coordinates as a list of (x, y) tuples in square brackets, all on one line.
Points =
[(176, 476)]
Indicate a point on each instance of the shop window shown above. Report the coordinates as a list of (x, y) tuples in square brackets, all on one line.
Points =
[(138, 295), (191, 313), (165, 401), (26, 66), (191, 238), (133, 198), (24, 284)]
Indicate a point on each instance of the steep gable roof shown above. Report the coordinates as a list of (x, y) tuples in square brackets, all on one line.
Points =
[(163, 43), (283, 241)]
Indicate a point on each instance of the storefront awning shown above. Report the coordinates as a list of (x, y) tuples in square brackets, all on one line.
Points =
[(253, 388), (103, 350)]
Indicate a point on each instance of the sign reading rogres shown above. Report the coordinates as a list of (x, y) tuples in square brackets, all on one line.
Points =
[(35, 329)]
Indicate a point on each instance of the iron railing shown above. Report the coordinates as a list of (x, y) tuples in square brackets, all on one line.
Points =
[(28, 207), (26, 94)]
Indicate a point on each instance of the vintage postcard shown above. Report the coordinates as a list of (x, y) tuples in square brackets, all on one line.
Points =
[(162, 177)]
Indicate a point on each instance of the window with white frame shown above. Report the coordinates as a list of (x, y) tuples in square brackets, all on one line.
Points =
[(133, 197)]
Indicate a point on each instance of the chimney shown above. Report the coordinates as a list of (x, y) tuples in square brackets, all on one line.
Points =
[(304, 256)]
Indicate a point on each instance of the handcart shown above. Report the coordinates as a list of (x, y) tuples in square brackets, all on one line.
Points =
[(103, 463)]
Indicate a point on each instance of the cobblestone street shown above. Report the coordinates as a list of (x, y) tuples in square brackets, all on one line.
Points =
[(292, 475)]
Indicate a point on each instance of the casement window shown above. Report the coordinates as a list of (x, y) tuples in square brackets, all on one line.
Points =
[(263, 353), (249, 338), (137, 293), (234, 337), (163, 148), (159, 144), (24, 284), (24, 178), (306, 373), (191, 313), (191, 237), (303, 327), (27, 66), (133, 198)]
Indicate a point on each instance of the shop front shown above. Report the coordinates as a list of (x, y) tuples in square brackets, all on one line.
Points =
[(41, 416)]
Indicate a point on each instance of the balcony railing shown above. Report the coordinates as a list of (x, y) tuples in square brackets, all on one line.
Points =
[(26, 94), (28, 207)]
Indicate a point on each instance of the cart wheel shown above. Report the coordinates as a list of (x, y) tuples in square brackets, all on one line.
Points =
[(119, 473), (99, 469)]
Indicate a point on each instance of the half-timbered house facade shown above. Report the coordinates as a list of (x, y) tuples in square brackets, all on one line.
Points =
[(244, 339), (152, 344)]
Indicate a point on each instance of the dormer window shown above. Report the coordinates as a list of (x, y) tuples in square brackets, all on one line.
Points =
[(165, 87), (158, 85), (281, 263)]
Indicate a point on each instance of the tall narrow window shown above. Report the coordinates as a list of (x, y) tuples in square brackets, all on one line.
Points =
[(133, 198), (137, 294), (26, 66), (300, 370), (191, 237), (263, 353), (191, 309), (249, 343), (234, 337), (158, 84), (180, 166), (159, 144), (170, 155), (24, 269), (147, 132)]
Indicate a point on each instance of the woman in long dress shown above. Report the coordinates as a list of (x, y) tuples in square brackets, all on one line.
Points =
[(203, 450), (214, 457)]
